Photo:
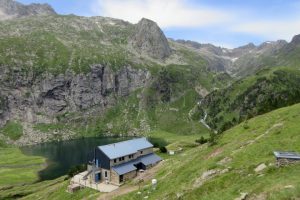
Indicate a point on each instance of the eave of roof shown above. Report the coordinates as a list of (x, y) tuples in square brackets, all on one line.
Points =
[(129, 166), (288, 155)]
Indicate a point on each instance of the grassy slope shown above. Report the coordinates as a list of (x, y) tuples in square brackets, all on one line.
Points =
[(278, 130), (16, 168), (56, 189), (14, 130), (269, 89), (57, 43), (129, 116), (19, 173), (53, 189)]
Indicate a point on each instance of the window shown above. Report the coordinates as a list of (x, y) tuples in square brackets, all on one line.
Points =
[(115, 160), (141, 152), (105, 174), (121, 158), (130, 156)]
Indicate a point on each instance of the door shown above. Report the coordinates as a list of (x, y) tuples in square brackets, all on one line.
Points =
[(121, 178), (97, 177)]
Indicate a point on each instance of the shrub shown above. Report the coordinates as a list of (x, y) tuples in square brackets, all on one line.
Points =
[(202, 140), (14, 130), (157, 142), (246, 125), (76, 169), (163, 149), (212, 139)]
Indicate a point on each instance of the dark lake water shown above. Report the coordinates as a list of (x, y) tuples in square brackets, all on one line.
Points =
[(61, 156)]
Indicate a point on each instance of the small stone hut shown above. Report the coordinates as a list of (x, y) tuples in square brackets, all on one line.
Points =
[(286, 158)]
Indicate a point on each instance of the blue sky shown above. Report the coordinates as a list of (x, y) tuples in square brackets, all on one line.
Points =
[(228, 23)]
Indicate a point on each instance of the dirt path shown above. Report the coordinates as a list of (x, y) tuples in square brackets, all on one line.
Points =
[(250, 142), (118, 192), (146, 176)]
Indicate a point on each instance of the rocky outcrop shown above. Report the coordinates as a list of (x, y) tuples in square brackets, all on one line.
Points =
[(148, 39), (40, 99), (10, 9), (295, 40)]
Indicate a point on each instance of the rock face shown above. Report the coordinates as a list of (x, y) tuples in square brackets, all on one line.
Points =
[(296, 40), (10, 9), (40, 99), (148, 39)]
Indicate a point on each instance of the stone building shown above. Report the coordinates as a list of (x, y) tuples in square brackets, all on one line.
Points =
[(119, 162), (286, 158)]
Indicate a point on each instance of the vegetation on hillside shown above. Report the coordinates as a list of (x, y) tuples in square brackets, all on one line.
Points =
[(17, 169), (265, 91), (227, 169), (13, 130)]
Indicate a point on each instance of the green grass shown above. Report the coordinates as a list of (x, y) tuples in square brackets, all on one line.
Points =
[(281, 132), (48, 127), (53, 189), (246, 147), (17, 168), (13, 130), (19, 174), (263, 92), (141, 114)]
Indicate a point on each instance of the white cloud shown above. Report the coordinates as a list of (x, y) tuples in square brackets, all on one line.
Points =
[(272, 30), (227, 23), (167, 13)]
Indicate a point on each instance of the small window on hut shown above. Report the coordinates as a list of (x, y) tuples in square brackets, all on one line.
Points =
[(115, 160)]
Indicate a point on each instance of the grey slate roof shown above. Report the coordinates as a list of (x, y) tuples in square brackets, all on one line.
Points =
[(125, 168), (125, 148), (149, 159), (288, 155), (129, 166)]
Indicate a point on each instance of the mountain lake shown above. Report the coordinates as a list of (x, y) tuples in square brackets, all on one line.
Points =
[(63, 155)]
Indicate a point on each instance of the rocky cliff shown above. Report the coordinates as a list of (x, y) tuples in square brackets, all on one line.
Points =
[(10, 9), (33, 100), (148, 39)]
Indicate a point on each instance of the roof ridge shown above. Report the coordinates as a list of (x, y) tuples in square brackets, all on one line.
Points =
[(112, 144)]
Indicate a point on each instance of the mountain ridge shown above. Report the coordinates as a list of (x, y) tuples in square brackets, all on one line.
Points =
[(10, 9)]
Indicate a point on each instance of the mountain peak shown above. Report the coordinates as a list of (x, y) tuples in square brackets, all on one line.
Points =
[(10, 9), (149, 39), (296, 40), (247, 46)]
